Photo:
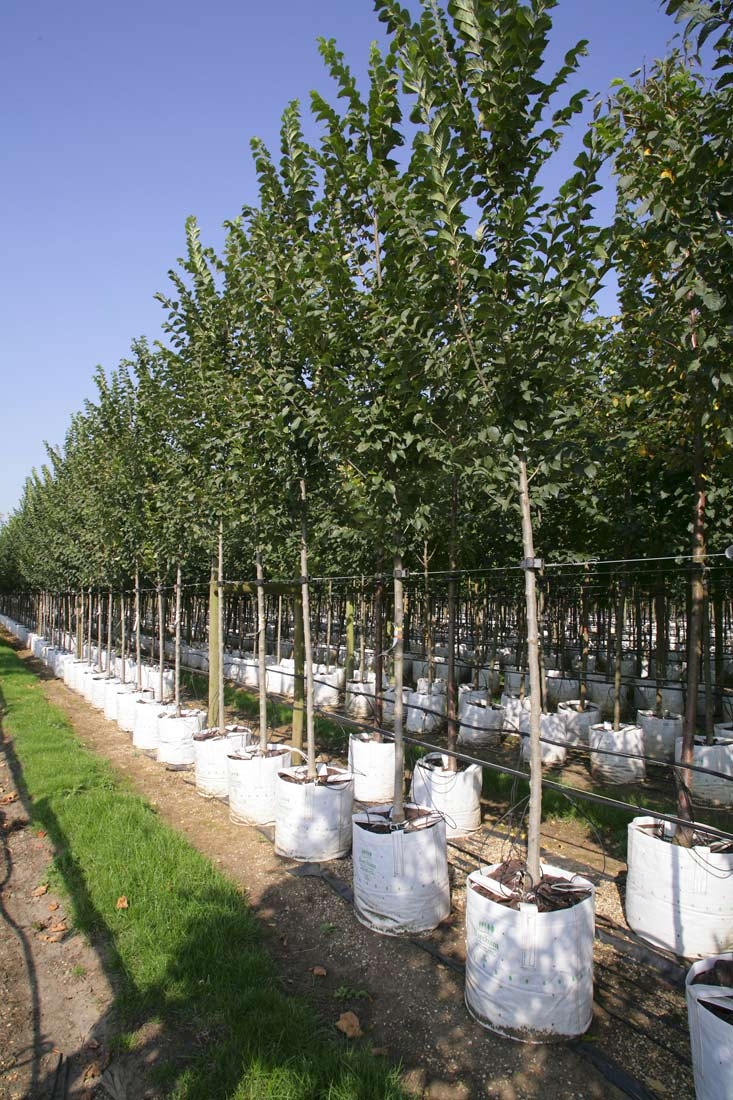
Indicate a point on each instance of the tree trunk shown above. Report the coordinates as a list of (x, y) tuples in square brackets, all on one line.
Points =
[(299, 675), (261, 650), (213, 716), (535, 757), (307, 644), (398, 809), (177, 673)]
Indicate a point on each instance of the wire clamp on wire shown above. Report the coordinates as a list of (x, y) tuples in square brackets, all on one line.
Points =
[(532, 563)]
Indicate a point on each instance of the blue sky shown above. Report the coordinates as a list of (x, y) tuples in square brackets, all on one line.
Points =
[(120, 120)]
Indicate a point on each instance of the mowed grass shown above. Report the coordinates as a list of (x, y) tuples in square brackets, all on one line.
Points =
[(186, 951)]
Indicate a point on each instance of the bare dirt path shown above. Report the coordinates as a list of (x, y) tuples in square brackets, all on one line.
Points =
[(406, 993)]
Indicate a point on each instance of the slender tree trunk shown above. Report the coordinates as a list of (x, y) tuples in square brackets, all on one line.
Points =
[(213, 717), (398, 808), (307, 642), (220, 608), (618, 653), (535, 757), (177, 674), (452, 700), (584, 641), (123, 636), (161, 642), (299, 674), (138, 648), (261, 650), (350, 639), (697, 597), (110, 605)]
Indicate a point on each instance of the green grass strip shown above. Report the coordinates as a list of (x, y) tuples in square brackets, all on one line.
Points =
[(187, 952)]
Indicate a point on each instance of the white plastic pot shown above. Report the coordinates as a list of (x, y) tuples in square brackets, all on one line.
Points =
[(313, 818), (400, 870), (529, 975), (454, 795), (660, 733), (175, 737), (718, 757), (711, 1037), (372, 765), (210, 758), (481, 724), (577, 721), (605, 742), (251, 784), (678, 898)]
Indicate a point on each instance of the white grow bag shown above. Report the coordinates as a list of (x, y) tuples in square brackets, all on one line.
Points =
[(718, 757), (529, 975), (481, 724), (313, 819), (605, 742), (454, 795), (514, 708), (678, 898), (372, 765), (127, 708), (577, 721), (251, 784), (145, 725), (400, 873), (426, 710), (175, 737), (111, 697), (660, 734), (711, 1038), (210, 758), (360, 697), (327, 686), (554, 749)]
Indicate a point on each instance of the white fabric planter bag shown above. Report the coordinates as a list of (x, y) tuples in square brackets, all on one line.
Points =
[(251, 784), (127, 708), (388, 700), (327, 686), (678, 898), (151, 679), (313, 819), (145, 725), (718, 757), (400, 873), (98, 691), (456, 796), (513, 681), (604, 741), (481, 724), (110, 699), (561, 688), (660, 734), (175, 737), (210, 758), (554, 749), (711, 1038), (723, 730), (71, 670), (86, 681), (360, 697), (529, 975), (578, 722), (372, 765), (426, 711), (467, 695), (514, 707), (438, 687)]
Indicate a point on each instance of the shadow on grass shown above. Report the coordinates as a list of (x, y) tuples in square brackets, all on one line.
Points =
[(189, 974)]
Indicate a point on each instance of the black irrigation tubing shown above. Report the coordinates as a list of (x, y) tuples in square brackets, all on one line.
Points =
[(570, 792)]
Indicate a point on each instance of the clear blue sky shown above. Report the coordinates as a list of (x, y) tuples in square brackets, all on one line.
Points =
[(120, 120)]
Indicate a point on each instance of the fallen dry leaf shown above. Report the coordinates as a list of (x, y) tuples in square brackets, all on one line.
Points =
[(40, 833), (319, 971), (51, 939), (6, 798), (383, 1052), (53, 906), (40, 891), (122, 903), (348, 1023), (60, 927)]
